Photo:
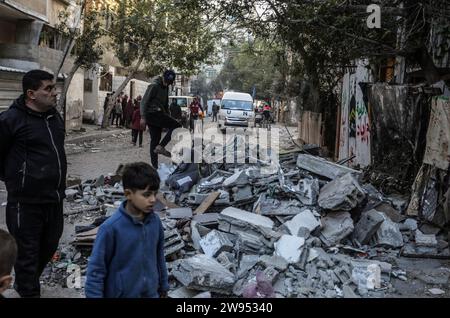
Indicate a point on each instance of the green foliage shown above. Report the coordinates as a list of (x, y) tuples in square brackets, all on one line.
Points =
[(165, 33), (87, 50), (250, 65)]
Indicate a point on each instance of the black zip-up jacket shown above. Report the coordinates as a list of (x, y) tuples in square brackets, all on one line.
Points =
[(32, 156), (156, 98)]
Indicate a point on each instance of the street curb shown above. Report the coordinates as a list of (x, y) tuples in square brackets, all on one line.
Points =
[(94, 135)]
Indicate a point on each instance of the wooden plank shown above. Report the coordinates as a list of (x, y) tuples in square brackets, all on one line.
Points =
[(170, 205), (88, 233), (207, 203)]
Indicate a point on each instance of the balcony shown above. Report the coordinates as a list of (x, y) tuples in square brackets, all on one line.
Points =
[(24, 9)]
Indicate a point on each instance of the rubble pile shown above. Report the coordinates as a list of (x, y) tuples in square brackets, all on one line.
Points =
[(310, 228)]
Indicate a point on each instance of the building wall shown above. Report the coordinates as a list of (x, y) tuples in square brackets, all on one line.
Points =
[(355, 136), (7, 32), (74, 102), (35, 8)]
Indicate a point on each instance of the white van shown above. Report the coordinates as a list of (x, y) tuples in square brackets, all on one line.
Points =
[(236, 109)]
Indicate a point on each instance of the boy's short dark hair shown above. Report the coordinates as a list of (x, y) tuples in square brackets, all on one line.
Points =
[(33, 79), (8, 253), (140, 176)]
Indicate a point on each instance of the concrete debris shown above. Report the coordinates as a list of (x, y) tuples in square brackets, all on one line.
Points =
[(308, 191), (172, 242), (414, 251), (425, 239), (240, 178), (390, 212), (274, 261), (179, 213), (367, 226), (389, 234), (195, 236), (182, 292), (408, 225), (436, 291), (252, 243), (290, 248), (227, 260), (367, 277), (305, 220), (242, 219), (323, 167), (336, 226), (216, 242), (247, 262), (341, 194), (204, 273)]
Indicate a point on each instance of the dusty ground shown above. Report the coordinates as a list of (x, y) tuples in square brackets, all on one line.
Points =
[(95, 157)]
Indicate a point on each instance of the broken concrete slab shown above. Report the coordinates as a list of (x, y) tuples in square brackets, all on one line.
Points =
[(215, 242), (227, 260), (307, 191), (246, 264), (336, 226), (182, 292), (384, 266), (349, 292), (195, 235), (204, 273), (425, 239), (172, 242), (367, 226), (250, 243), (367, 277), (436, 291), (290, 248), (323, 167), (408, 225), (389, 234), (179, 213), (240, 218), (242, 193), (206, 219), (390, 212), (240, 178), (274, 261), (412, 250), (304, 219), (341, 194)]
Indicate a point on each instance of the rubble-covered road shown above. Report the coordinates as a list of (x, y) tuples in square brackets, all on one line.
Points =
[(311, 230)]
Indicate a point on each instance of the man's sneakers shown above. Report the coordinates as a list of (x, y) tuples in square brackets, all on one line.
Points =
[(162, 151)]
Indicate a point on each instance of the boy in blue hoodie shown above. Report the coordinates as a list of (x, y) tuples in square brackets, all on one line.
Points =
[(128, 256)]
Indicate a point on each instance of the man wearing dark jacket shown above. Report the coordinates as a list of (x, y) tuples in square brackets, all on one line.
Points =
[(155, 113), (33, 166)]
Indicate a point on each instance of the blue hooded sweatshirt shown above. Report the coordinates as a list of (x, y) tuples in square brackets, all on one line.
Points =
[(128, 258)]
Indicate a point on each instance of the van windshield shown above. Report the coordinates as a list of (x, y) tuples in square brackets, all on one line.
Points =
[(237, 104), (181, 101)]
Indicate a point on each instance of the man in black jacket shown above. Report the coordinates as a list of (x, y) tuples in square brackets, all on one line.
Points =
[(33, 166), (155, 113)]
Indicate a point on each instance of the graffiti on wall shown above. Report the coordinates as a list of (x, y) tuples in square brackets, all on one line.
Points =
[(362, 128), (355, 124)]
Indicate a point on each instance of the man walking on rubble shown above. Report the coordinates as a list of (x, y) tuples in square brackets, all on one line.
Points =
[(155, 113), (33, 166)]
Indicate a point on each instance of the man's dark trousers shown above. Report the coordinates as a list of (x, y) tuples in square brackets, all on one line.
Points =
[(37, 229), (156, 122)]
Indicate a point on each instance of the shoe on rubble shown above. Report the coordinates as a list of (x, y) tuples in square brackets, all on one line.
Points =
[(162, 151)]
